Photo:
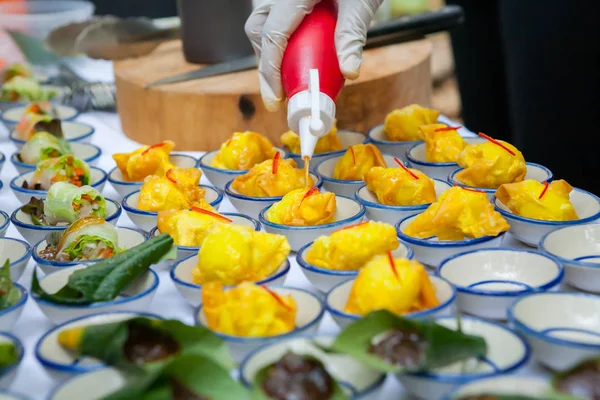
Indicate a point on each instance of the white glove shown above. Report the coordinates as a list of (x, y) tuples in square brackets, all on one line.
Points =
[(273, 22)]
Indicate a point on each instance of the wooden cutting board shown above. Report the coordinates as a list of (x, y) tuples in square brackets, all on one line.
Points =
[(201, 114)]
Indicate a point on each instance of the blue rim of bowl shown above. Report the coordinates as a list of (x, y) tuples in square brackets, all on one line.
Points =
[(114, 181), (77, 369), (230, 193), (6, 218), (329, 154), (505, 293), (563, 260), (14, 395), (20, 142), (2, 158), (130, 209), (261, 339), (232, 172), (413, 160), (270, 278), (452, 394), (20, 351), (344, 181), (20, 164), (372, 204), (43, 193), (20, 303), (64, 264), (521, 326), (28, 250), (389, 142), (510, 215), (14, 122), (357, 216)]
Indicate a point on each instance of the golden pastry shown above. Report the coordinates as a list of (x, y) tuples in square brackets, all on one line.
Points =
[(357, 161), (326, 144), (303, 207), (243, 151), (145, 161), (403, 125), (442, 143)]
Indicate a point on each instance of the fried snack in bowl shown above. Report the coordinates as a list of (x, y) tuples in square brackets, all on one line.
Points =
[(402, 125), (243, 151), (145, 161)]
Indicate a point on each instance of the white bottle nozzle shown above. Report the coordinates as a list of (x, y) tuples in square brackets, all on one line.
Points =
[(317, 127)]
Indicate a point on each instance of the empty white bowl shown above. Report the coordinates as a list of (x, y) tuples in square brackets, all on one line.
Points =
[(94, 385), (136, 297), (348, 212), (309, 314), (146, 220), (8, 373), (563, 328), (4, 221), (577, 247), (530, 231), (509, 385), (12, 116), (347, 138), (72, 131), (34, 233), (489, 280), (18, 252), (181, 275), (392, 214), (10, 315), (432, 251), (324, 279), (115, 177), (85, 151)]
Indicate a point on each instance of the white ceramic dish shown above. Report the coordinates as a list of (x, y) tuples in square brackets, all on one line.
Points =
[(489, 280), (530, 231), (72, 131), (563, 328), (18, 252), (10, 315), (2, 160), (12, 116), (34, 233), (4, 395), (94, 385), (348, 212), (8, 374), (509, 385), (85, 151), (4, 220), (347, 138), (378, 137), (577, 247)]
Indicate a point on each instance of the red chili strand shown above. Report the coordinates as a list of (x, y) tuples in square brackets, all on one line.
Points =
[(210, 213), (404, 168), (276, 297), (275, 163), (469, 189), (309, 193), (393, 265), (544, 190), (169, 176), (353, 155), (353, 226), (497, 143), (448, 128), (154, 146)]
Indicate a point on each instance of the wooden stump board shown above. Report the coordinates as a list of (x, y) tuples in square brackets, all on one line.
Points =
[(201, 114)]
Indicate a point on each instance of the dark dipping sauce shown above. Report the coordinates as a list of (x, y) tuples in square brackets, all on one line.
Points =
[(403, 348), (145, 345), (49, 253), (180, 392), (295, 377), (583, 381), (37, 186)]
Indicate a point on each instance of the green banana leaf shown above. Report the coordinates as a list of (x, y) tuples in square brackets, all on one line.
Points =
[(9, 293)]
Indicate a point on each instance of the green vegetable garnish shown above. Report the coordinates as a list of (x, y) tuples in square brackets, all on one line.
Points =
[(8, 354), (9, 293), (35, 208)]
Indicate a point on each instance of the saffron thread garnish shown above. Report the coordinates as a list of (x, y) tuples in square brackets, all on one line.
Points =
[(169, 176), (275, 163), (276, 297), (353, 155), (154, 146), (497, 143), (448, 128), (210, 213), (404, 168), (544, 190), (393, 265), (309, 193)]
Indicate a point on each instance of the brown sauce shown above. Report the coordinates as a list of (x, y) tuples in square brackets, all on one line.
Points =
[(37, 186), (145, 345), (180, 392), (49, 253), (307, 171), (583, 381), (403, 348)]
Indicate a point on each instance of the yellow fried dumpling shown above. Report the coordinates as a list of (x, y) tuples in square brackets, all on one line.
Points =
[(243, 151), (231, 254), (248, 310), (397, 285), (326, 144), (400, 186), (402, 125), (303, 207), (357, 161), (442, 143), (532, 199), (271, 178), (349, 249), (145, 161), (491, 164), (458, 213), (189, 227)]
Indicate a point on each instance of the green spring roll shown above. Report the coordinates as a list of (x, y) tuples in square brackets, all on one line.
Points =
[(66, 202), (42, 146)]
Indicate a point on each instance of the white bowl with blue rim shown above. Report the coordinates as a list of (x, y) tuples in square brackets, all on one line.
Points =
[(530, 231), (4, 220), (219, 177), (533, 387), (181, 275), (342, 187), (9, 373), (252, 205), (2, 160), (61, 363), (489, 280), (97, 181), (432, 252), (535, 172), (10, 315), (5, 105), (127, 238), (85, 151), (18, 252), (507, 352), (563, 328), (146, 220), (378, 137), (95, 385), (72, 132), (365, 382), (123, 187), (11, 116), (577, 247), (34, 233), (347, 138), (338, 296), (392, 214), (308, 316), (348, 212), (136, 297), (324, 279), (6, 395)]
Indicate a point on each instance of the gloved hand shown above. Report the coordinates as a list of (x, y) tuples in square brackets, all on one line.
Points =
[(273, 22)]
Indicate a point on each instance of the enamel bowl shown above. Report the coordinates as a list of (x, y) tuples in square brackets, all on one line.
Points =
[(366, 383), (508, 385), (488, 281), (8, 373), (252, 205), (85, 151), (219, 177), (128, 238), (34, 233), (432, 251), (146, 220), (577, 247), (61, 363), (5, 105), (136, 297), (4, 221), (310, 312), (507, 352), (98, 180), (181, 275), (338, 296), (115, 177), (4, 395), (563, 328), (378, 137), (347, 138), (2, 160), (10, 315), (530, 231), (18, 252), (392, 214), (94, 385), (348, 212), (324, 279), (342, 187), (72, 131), (12, 116)]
